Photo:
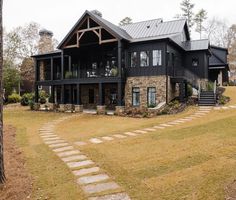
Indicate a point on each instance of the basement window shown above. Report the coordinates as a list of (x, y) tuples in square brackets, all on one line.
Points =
[(195, 62), (135, 96)]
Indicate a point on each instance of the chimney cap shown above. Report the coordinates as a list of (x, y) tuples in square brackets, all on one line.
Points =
[(45, 32)]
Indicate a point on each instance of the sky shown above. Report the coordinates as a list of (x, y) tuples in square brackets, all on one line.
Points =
[(60, 15)]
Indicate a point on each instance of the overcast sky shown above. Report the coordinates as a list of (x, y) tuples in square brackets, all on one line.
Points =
[(60, 15)]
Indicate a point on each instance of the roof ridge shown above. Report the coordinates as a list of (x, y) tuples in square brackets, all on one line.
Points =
[(174, 20), (141, 22), (199, 40)]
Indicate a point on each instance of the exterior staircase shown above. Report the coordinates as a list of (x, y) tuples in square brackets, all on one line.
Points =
[(207, 98)]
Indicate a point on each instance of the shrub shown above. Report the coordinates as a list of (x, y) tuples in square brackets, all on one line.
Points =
[(14, 98), (223, 99), (43, 97), (31, 104), (231, 83), (189, 90), (26, 98), (210, 86)]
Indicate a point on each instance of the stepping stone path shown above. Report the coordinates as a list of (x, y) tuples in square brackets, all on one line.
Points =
[(202, 111), (90, 177)]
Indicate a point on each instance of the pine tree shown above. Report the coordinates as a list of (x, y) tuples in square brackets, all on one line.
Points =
[(187, 8), (2, 174), (200, 17), (125, 21)]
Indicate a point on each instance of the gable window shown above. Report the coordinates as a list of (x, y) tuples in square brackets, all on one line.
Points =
[(195, 62), (144, 58), (156, 58), (151, 97), (135, 96), (133, 56)]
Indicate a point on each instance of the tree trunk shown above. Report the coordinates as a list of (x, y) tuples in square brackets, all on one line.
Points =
[(2, 174)]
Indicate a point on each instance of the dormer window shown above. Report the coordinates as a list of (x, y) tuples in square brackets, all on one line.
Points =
[(195, 62)]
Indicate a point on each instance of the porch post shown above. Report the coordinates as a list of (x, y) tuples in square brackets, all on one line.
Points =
[(62, 65), (78, 94), (36, 93), (62, 94), (71, 95), (100, 101), (181, 91), (52, 68), (119, 91), (53, 93), (119, 58)]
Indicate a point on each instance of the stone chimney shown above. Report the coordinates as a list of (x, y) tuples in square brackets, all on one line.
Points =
[(45, 42)]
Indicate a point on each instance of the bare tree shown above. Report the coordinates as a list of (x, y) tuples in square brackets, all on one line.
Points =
[(2, 174), (216, 30)]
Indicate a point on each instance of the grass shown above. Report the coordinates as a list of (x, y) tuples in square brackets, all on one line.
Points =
[(85, 126), (51, 178), (194, 160)]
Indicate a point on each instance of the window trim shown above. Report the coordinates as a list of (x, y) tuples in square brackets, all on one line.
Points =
[(139, 103), (148, 58), (148, 89), (195, 59), (130, 58), (159, 63)]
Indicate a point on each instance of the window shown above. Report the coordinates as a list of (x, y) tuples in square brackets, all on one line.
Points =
[(144, 58), (133, 59), (151, 97), (136, 96), (195, 62), (156, 56), (91, 96)]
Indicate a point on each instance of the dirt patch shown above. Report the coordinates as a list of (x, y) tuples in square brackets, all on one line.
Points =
[(231, 191), (19, 183)]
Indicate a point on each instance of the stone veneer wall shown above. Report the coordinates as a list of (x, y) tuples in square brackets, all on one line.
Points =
[(173, 90), (143, 82)]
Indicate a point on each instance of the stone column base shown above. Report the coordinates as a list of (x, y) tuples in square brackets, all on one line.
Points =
[(61, 108), (101, 110), (119, 110), (79, 108), (68, 107), (53, 106)]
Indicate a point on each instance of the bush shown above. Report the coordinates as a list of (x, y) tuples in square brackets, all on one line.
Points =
[(43, 97), (189, 90), (223, 100), (31, 104), (231, 83), (210, 86), (14, 98), (26, 98)]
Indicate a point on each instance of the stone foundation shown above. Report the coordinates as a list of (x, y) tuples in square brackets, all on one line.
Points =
[(120, 110), (101, 110), (79, 108)]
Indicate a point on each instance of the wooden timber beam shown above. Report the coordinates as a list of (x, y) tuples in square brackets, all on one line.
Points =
[(108, 41), (89, 29)]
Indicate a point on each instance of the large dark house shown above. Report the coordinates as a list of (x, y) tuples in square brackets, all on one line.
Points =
[(139, 65)]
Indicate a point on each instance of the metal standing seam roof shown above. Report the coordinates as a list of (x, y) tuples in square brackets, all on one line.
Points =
[(154, 28), (196, 45)]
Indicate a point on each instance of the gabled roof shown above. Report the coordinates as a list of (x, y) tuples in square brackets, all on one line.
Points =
[(218, 57), (196, 45), (135, 32), (115, 30), (154, 29)]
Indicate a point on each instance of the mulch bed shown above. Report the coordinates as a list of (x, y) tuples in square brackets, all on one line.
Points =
[(19, 183)]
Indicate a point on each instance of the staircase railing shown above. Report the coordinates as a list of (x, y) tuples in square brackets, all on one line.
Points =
[(215, 89), (199, 90)]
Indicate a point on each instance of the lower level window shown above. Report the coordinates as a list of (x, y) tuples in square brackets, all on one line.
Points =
[(151, 97), (136, 96)]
